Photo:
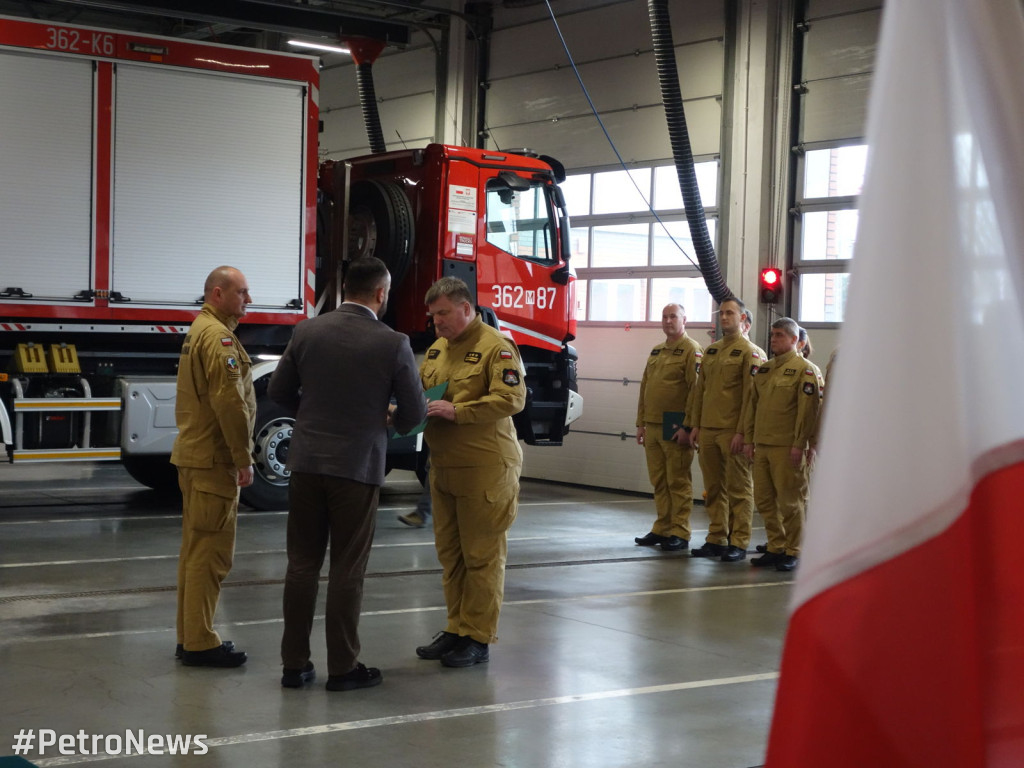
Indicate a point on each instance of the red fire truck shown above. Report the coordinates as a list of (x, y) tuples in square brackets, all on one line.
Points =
[(131, 165)]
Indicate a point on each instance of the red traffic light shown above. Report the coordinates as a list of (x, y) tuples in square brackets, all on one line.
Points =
[(771, 285)]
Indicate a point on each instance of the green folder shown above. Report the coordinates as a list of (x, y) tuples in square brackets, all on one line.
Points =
[(671, 422), (434, 393)]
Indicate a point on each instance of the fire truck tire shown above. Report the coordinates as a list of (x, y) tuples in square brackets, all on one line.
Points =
[(153, 471), (381, 225), (271, 440)]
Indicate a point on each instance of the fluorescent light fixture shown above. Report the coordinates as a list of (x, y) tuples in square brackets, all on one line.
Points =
[(318, 46)]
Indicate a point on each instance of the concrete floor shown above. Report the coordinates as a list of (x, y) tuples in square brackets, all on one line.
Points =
[(610, 654)]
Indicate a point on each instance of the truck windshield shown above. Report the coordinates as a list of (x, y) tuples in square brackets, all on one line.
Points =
[(519, 221)]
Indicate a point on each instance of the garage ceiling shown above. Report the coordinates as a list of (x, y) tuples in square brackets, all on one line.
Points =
[(256, 23)]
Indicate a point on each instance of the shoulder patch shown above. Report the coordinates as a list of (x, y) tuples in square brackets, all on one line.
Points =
[(808, 372), (510, 376), (755, 354), (699, 353), (432, 353), (808, 388), (232, 366), (226, 342), (472, 357), (736, 353), (506, 354)]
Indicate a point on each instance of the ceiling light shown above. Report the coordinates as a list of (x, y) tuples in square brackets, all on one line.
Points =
[(318, 46)]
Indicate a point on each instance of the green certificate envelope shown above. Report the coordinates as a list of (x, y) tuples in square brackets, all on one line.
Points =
[(671, 422)]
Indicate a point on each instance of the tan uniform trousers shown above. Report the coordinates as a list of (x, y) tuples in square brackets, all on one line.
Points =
[(780, 492), (730, 489), (208, 523), (473, 509), (668, 466)]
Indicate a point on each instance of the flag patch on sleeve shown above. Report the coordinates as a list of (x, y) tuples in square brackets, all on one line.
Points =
[(226, 342), (506, 355)]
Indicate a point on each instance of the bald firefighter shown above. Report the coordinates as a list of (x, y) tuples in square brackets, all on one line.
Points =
[(780, 423), (717, 419), (215, 411), (666, 393), (475, 466)]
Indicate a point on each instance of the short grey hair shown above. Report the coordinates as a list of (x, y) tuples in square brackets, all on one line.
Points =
[(452, 287)]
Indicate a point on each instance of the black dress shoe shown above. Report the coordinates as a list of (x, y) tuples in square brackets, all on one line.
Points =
[(296, 678), (649, 540), (360, 677), (674, 544), (443, 642), (768, 558), (733, 554), (179, 649), (762, 548), (221, 656), (708, 550), (467, 653), (786, 563)]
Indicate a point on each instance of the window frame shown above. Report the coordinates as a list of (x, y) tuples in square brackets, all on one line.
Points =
[(804, 205), (647, 272)]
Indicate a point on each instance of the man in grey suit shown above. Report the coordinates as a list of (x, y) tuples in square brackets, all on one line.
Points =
[(338, 374)]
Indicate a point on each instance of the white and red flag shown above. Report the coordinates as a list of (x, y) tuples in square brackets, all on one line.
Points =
[(906, 640)]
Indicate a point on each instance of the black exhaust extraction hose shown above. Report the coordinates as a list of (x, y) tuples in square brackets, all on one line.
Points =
[(368, 101), (682, 154)]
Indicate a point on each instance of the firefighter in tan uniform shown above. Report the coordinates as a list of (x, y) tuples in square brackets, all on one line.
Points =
[(666, 392), (475, 466), (781, 418), (215, 412), (717, 419)]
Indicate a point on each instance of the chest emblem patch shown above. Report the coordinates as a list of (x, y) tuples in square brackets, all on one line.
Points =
[(432, 353), (472, 357)]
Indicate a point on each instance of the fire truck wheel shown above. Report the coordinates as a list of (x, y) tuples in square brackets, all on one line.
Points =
[(271, 440), (153, 471), (381, 225)]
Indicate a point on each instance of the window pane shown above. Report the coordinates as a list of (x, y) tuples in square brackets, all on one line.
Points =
[(623, 245), (833, 172), (579, 241), (829, 234), (615, 193), (576, 190), (823, 297), (667, 194), (618, 299), (581, 299), (667, 253), (691, 292), (518, 221)]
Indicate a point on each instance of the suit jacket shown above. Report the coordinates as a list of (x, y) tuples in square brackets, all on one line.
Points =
[(338, 374)]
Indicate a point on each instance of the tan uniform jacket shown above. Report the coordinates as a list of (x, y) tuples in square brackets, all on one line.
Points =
[(669, 380), (216, 406), (726, 380), (784, 403), (485, 383)]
